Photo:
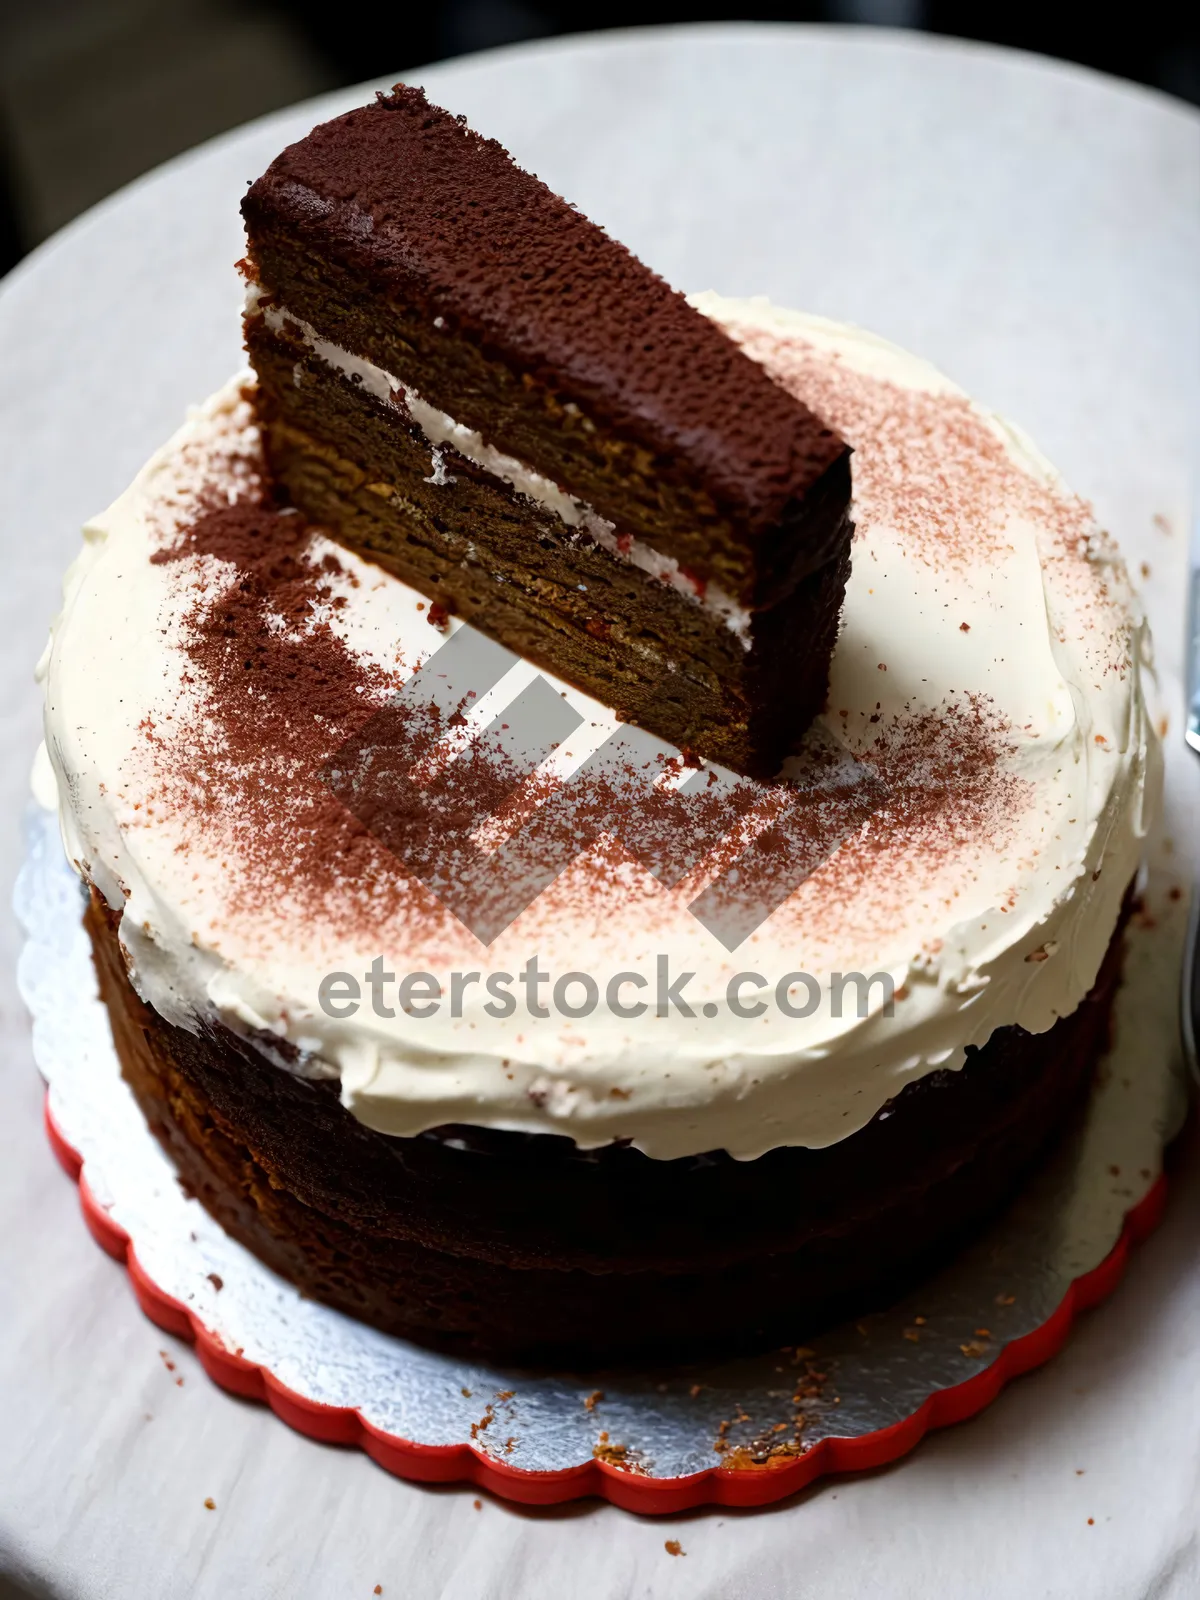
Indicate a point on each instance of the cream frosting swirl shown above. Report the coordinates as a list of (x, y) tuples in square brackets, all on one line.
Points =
[(990, 664)]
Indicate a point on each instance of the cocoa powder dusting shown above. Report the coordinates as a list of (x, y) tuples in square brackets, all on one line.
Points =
[(931, 466), (281, 693), (301, 761), (310, 779)]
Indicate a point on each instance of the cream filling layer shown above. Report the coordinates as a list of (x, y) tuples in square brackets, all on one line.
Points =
[(444, 433)]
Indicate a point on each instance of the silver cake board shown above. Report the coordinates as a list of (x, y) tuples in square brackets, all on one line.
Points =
[(740, 1432)]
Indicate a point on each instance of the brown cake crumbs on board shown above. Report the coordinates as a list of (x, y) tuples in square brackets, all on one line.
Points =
[(621, 1456)]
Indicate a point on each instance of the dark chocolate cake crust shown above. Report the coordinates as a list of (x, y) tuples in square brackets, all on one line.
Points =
[(433, 220), (524, 1247)]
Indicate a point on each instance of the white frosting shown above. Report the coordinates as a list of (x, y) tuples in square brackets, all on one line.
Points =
[(444, 434), (1006, 925)]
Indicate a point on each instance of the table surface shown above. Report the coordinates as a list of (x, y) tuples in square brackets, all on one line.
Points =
[(1034, 230)]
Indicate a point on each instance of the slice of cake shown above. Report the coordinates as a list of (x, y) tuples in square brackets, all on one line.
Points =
[(476, 387)]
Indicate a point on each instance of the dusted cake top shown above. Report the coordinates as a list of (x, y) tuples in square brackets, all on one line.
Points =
[(408, 196), (986, 693)]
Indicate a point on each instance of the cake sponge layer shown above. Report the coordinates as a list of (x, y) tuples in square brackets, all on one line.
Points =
[(464, 538)]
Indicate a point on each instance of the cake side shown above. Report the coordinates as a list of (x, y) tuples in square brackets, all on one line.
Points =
[(521, 1247)]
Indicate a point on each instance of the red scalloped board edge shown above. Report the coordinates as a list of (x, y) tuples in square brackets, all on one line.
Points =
[(724, 1486)]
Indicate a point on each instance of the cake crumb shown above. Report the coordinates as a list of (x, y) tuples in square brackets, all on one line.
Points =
[(217, 1281), (478, 1504), (438, 616), (972, 1349), (593, 1400), (378, 1589), (210, 1504), (1006, 1299), (466, 1393), (673, 1547), (1091, 1522), (617, 1455), (964, 627), (983, 1333)]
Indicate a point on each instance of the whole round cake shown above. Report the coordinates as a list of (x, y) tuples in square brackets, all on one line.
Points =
[(524, 925)]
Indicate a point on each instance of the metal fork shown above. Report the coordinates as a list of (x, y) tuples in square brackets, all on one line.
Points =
[(1189, 997)]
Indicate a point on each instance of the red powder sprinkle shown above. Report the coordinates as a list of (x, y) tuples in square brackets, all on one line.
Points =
[(931, 467), (280, 695)]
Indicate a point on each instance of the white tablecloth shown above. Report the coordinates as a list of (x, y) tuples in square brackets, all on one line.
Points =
[(1034, 230)]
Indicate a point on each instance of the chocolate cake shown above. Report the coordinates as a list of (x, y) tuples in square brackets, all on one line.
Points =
[(741, 1055), (479, 389)]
